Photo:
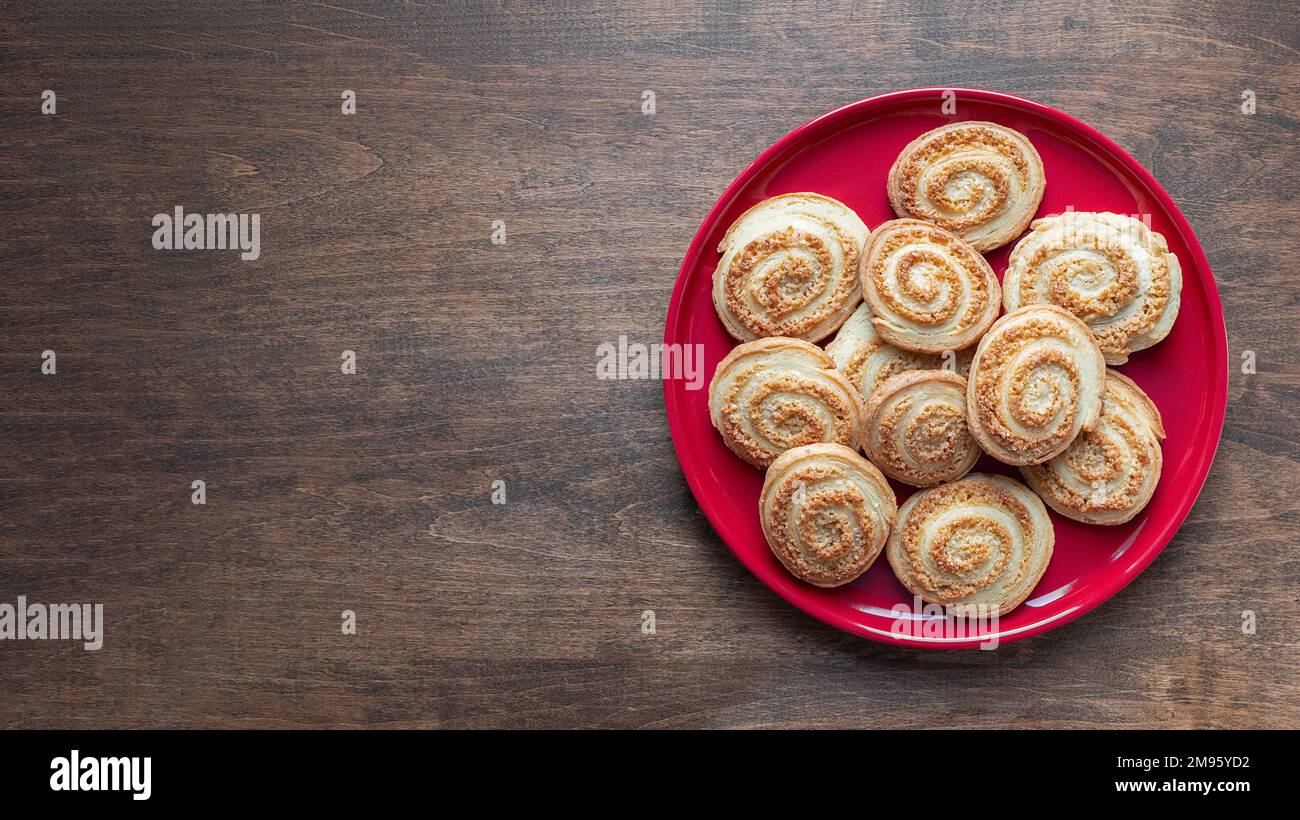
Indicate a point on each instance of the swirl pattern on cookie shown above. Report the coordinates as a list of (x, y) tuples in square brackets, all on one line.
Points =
[(983, 541), (789, 268), (1111, 271), (927, 289), (826, 512), (769, 395), (915, 431), (1035, 383), (980, 180), (867, 360), (1110, 473)]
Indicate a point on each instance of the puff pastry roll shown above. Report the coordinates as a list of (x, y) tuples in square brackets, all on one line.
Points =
[(980, 180), (1111, 271), (1035, 383), (1109, 474), (826, 513), (927, 289), (769, 395), (789, 268), (867, 360), (983, 541), (915, 431)]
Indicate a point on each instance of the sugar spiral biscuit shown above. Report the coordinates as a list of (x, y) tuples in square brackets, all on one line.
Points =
[(789, 267), (1035, 383), (980, 180), (1109, 474), (928, 290), (826, 513), (915, 431), (1111, 271), (867, 360), (769, 395), (983, 541)]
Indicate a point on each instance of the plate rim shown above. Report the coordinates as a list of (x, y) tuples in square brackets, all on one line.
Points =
[(1169, 529)]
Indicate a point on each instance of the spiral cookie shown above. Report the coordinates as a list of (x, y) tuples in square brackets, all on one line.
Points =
[(769, 395), (928, 290), (789, 268), (826, 513), (979, 180), (1035, 383), (914, 428), (1111, 271), (867, 360), (1109, 474), (983, 541)]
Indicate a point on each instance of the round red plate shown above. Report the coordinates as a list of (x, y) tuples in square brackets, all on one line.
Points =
[(846, 154)]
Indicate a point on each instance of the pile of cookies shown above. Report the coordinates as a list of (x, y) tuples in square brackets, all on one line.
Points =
[(923, 376)]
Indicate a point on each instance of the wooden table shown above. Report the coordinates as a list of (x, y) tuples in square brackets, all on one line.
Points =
[(476, 363)]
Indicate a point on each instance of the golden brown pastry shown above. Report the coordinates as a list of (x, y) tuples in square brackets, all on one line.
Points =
[(979, 180), (769, 395), (1107, 475), (928, 290), (1035, 383), (983, 541), (789, 268), (914, 428), (1111, 271), (826, 512), (867, 360)]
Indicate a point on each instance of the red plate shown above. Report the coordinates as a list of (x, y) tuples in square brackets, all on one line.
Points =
[(846, 154)]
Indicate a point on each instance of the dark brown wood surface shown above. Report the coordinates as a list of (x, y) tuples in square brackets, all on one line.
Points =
[(476, 363)]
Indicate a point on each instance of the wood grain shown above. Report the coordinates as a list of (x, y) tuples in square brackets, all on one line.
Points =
[(476, 363)]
